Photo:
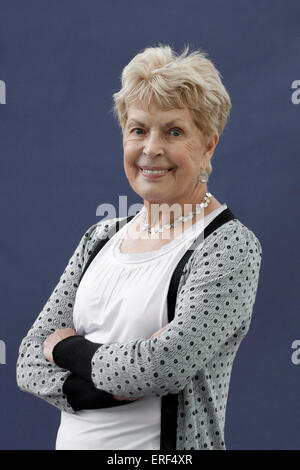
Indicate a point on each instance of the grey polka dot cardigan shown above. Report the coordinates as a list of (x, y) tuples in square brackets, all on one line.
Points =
[(190, 362)]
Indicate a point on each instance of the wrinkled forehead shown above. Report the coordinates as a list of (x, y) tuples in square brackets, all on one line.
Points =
[(141, 114), (154, 107)]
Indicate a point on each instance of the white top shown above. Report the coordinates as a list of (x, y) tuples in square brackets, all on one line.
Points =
[(123, 297)]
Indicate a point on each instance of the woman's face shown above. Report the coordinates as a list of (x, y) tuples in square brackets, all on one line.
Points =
[(165, 140)]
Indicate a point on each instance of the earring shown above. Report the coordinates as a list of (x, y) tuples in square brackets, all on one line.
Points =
[(203, 176)]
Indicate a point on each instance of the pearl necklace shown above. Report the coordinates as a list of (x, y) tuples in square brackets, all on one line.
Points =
[(176, 221)]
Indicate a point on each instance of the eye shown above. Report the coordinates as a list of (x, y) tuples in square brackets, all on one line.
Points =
[(176, 129), (137, 129)]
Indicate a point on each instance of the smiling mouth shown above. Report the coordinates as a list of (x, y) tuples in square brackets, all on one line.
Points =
[(154, 173)]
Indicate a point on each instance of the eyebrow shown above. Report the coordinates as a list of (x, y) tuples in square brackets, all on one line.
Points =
[(139, 123)]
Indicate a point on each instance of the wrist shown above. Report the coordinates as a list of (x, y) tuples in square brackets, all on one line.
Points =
[(75, 354)]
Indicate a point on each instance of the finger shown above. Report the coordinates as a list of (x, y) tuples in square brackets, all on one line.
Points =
[(157, 333), (59, 334), (116, 397)]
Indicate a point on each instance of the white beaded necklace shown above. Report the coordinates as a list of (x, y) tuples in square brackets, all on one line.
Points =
[(176, 221)]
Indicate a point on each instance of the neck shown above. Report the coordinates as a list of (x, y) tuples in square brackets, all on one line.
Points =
[(161, 213)]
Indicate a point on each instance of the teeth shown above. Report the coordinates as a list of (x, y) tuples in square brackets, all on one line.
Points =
[(153, 172)]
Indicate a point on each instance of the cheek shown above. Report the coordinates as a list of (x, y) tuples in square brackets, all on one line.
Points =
[(191, 150), (129, 163), (128, 158), (130, 152), (192, 155), (185, 156), (189, 146)]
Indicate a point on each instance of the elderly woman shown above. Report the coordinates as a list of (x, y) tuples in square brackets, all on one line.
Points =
[(136, 343)]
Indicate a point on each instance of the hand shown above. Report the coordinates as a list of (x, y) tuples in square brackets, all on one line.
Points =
[(124, 398), (55, 338)]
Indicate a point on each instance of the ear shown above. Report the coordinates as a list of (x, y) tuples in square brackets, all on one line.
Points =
[(210, 146)]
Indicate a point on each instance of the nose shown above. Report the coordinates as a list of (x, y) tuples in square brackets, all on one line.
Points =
[(153, 145)]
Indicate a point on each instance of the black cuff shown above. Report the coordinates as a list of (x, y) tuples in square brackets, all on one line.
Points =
[(75, 354), (82, 395)]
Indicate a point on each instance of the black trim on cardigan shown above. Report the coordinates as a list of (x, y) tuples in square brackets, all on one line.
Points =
[(75, 354), (83, 395), (169, 404), (101, 243)]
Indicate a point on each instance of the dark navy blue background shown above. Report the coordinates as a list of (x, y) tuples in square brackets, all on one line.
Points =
[(61, 156)]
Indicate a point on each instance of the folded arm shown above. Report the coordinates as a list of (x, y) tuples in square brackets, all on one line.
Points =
[(83, 395), (213, 306), (35, 374)]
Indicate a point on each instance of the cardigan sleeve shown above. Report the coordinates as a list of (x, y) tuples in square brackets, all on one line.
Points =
[(213, 308), (35, 374)]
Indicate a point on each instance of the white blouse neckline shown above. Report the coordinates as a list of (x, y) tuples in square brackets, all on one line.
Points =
[(187, 236)]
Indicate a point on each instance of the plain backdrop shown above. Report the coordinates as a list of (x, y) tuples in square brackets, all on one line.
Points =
[(61, 157)]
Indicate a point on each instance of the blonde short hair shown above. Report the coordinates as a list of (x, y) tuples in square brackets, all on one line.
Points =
[(158, 75)]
